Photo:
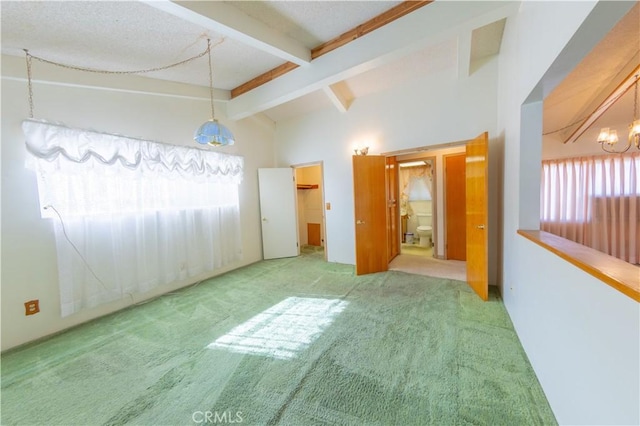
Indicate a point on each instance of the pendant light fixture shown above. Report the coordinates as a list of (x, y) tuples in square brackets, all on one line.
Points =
[(609, 137), (212, 132)]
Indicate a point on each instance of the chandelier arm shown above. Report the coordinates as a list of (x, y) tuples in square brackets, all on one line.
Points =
[(614, 151), (634, 131)]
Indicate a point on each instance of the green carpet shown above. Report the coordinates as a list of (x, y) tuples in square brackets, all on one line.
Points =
[(400, 349)]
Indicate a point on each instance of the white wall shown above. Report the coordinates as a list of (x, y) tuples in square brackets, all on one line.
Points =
[(29, 268), (428, 111), (581, 336)]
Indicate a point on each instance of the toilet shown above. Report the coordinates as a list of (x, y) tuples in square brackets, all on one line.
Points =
[(424, 229)]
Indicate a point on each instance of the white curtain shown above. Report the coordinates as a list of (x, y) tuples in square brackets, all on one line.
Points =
[(594, 201), (415, 184), (130, 214)]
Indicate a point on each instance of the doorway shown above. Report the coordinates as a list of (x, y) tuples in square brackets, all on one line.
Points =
[(417, 193), (310, 207), (430, 260)]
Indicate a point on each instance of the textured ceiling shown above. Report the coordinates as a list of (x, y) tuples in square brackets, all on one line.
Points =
[(126, 36), (312, 22), (133, 35), (595, 77)]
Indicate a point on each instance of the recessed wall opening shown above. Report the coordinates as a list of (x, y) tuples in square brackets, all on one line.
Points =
[(592, 65)]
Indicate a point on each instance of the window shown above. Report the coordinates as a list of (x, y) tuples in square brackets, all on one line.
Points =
[(130, 215), (594, 201)]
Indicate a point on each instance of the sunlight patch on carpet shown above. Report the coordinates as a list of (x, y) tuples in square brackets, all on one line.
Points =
[(284, 330)]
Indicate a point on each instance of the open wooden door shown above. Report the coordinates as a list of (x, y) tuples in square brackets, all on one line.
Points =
[(476, 204), (393, 220), (278, 213), (370, 202), (455, 209)]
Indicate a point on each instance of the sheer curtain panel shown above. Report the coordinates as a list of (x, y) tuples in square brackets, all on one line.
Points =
[(594, 201), (130, 215)]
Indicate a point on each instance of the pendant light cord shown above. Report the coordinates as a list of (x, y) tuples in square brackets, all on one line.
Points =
[(29, 85), (210, 79), (30, 58), (635, 98)]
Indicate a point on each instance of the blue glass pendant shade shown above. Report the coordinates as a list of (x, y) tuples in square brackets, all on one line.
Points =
[(213, 133)]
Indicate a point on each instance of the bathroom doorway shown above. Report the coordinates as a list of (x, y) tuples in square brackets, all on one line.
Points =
[(413, 258), (310, 207), (417, 193)]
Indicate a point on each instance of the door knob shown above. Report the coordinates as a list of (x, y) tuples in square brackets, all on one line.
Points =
[(480, 226), (359, 222), (264, 219)]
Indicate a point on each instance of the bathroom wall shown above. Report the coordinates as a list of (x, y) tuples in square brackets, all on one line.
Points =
[(310, 204)]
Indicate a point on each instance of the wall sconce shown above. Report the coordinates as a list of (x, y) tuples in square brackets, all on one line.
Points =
[(361, 151)]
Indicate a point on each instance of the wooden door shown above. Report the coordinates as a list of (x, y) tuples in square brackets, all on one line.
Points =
[(370, 206), (455, 207), (278, 213), (476, 201), (393, 234)]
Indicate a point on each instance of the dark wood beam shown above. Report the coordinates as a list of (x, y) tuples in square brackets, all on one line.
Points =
[(373, 24)]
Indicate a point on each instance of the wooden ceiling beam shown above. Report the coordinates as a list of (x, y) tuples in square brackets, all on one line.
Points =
[(381, 20), (619, 91), (263, 78), (373, 24)]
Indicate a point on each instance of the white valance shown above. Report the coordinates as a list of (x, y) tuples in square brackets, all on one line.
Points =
[(84, 172), (64, 149)]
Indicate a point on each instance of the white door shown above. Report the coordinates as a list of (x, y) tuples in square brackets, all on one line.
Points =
[(278, 213)]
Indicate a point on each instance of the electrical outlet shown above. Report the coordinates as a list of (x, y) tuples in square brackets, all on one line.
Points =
[(32, 307)]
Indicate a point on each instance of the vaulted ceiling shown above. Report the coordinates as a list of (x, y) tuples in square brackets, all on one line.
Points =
[(275, 57), (376, 44), (581, 103)]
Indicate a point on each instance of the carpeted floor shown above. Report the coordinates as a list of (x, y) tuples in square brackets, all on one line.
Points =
[(295, 341)]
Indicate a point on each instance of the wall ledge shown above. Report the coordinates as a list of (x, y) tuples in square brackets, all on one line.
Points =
[(614, 272)]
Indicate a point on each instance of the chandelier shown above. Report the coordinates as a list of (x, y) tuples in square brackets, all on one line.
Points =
[(608, 138)]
